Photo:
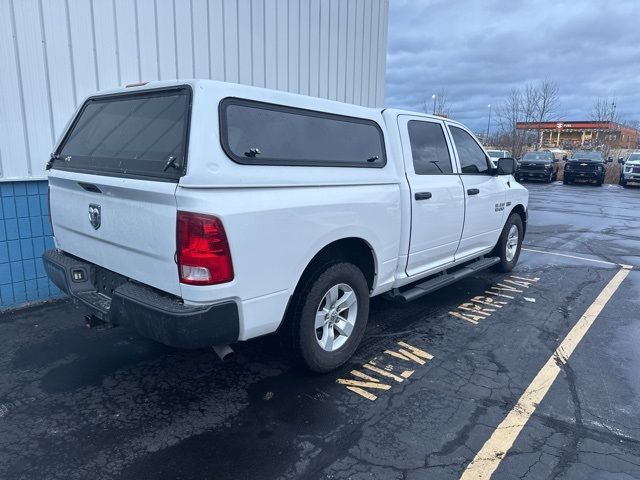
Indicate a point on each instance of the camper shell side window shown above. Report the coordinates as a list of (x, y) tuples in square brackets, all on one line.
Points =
[(259, 133)]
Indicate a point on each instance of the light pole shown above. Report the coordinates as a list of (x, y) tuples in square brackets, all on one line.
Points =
[(613, 110), (488, 124), (611, 135), (433, 97)]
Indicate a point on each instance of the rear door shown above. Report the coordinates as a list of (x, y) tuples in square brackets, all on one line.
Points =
[(437, 196), (485, 195), (112, 189)]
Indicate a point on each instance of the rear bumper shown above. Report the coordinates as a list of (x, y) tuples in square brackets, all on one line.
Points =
[(153, 314)]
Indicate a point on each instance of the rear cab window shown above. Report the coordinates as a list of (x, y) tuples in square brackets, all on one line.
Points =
[(429, 148), (138, 135), (266, 134)]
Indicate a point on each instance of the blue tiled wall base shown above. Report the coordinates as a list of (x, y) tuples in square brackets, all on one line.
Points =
[(25, 233)]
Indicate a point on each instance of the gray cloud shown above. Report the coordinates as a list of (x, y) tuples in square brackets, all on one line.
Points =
[(478, 50)]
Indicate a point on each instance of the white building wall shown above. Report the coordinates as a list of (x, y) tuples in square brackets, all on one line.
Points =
[(54, 53)]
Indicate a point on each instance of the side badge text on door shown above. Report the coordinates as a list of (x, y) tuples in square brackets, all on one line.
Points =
[(95, 216)]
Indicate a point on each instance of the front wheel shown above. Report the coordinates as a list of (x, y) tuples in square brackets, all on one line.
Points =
[(328, 316), (509, 244)]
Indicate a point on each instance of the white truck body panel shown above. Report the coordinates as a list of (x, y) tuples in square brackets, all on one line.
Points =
[(277, 218)]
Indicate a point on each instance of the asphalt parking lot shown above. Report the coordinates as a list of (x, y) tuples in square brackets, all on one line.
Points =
[(78, 403)]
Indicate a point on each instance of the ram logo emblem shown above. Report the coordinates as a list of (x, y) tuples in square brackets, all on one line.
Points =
[(95, 216)]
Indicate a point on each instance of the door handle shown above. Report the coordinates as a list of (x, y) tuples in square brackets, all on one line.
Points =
[(422, 196), (473, 191)]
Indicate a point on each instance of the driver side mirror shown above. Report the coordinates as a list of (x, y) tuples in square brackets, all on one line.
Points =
[(564, 157), (620, 160), (506, 166)]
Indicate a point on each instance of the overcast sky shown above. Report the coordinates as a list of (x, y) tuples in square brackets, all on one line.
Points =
[(478, 50)]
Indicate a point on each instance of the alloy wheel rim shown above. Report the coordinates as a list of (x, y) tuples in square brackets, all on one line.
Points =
[(336, 317), (512, 243)]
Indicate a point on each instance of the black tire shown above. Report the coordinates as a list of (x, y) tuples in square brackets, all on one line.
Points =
[(554, 176), (623, 182), (500, 250), (299, 328), (566, 181), (549, 179)]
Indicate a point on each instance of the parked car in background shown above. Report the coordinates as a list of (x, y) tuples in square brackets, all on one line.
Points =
[(202, 213), (559, 153), (585, 166), (630, 172), (495, 155), (538, 166)]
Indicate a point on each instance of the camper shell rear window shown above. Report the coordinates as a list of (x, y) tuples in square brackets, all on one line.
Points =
[(137, 135), (259, 133)]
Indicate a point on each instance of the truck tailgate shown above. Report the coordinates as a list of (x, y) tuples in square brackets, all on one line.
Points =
[(135, 234)]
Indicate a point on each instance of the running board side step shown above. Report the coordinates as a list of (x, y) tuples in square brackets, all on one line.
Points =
[(440, 281)]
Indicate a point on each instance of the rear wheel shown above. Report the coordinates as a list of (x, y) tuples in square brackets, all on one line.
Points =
[(509, 244), (328, 316)]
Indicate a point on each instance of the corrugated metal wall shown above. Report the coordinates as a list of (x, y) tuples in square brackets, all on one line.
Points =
[(55, 52)]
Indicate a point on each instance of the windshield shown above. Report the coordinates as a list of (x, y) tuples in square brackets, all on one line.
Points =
[(140, 135), (634, 157), (537, 156), (587, 156)]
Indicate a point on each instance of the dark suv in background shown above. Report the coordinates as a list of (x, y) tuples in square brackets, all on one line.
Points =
[(538, 166), (585, 166)]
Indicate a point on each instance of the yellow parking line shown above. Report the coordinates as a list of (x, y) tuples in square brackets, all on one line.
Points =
[(494, 450)]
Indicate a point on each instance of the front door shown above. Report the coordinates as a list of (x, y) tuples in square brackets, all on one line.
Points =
[(437, 195), (485, 196)]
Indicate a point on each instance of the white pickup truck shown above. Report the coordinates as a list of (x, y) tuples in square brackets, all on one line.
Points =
[(202, 213)]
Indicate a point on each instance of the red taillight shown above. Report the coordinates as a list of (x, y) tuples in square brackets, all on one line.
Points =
[(203, 251)]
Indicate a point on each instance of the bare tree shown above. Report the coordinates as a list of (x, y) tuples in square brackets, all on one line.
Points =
[(508, 116), (442, 105), (529, 107), (522, 106), (633, 124), (529, 103), (547, 104), (604, 109)]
